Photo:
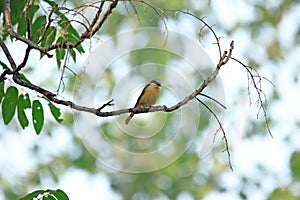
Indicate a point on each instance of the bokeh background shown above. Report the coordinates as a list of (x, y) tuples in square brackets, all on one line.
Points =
[(267, 37)]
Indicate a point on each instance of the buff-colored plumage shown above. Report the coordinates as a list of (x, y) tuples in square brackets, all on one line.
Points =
[(147, 98)]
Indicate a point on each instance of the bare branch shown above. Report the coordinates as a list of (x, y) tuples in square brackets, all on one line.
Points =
[(8, 55), (109, 103), (52, 97), (25, 59), (135, 11), (28, 4), (68, 68), (160, 12), (103, 19), (12, 62), (205, 24), (62, 72), (222, 129), (262, 101), (97, 15)]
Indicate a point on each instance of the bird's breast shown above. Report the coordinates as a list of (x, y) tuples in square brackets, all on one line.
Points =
[(150, 96)]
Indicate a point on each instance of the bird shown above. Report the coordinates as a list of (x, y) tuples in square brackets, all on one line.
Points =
[(147, 98)]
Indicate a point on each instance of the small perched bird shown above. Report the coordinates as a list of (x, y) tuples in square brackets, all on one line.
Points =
[(148, 97)]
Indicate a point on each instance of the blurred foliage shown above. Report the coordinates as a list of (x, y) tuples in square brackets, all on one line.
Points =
[(46, 195), (187, 175), (170, 181), (280, 193), (294, 164)]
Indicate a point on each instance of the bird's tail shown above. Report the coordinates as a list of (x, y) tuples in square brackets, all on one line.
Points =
[(129, 118)]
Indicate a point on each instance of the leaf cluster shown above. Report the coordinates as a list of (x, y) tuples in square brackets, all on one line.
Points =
[(46, 195), (13, 102)]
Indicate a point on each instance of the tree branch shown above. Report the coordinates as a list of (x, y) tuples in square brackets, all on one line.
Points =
[(10, 30), (222, 129), (262, 101), (53, 97), (64, 44), (8, 55), (88, 33)]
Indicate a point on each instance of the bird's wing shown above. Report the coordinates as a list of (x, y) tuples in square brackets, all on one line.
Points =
[(143, 92)]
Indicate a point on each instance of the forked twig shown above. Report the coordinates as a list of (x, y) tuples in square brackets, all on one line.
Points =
[(222, 129), (261, 95)]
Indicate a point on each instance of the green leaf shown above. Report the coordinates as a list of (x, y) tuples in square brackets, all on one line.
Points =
[(4, 66), (73, 54), (80, 49), (17, 8), (1, 7), (61, 195), (37, 28), (65, 24), (1, 90), (9, 104), (51, 3), (32, 10), (47, 195), (37, 116), (71, 31), (23, 103), (49, 37), (22, 27), (55, 112), (60, 54), (33, 195), (295, 165)]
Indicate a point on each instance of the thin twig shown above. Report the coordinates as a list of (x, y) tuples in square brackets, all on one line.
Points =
[(8, 55), (109, 103), (205, 24), (25, 59), (62, 72), (259, 91), (28, 5), (68, 68), (50, 20), (209, 97), (222, 129)]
